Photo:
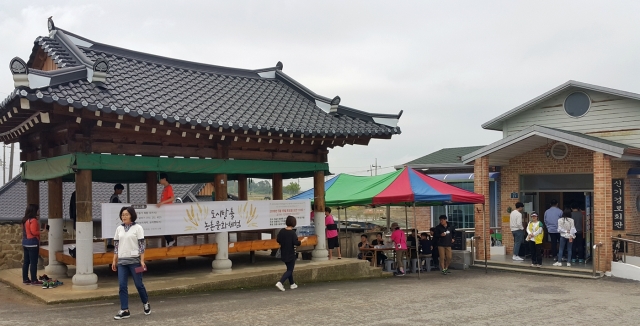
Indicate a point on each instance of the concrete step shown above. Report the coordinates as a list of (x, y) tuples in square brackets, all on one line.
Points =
[(544, 270)]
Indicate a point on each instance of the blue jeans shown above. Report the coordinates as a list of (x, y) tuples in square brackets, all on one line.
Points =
[(30, 264), (565, 242), (518, 238), (123, 277)]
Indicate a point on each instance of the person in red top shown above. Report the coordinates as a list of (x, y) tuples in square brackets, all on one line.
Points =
[(399, 240), (332, 233), (31, 244), (167, 197)]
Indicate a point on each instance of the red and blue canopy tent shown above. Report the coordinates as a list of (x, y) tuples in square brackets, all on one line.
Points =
[(405, 187)]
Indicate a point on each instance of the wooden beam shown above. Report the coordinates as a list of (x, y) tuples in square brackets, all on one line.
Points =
[(242, 187), (152, 150), (221, 187), (152, 188), (276, 186), (33, 192), (55, 198), (84, 198)]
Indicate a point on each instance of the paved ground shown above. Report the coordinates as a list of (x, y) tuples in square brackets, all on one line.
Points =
[(463, 298)]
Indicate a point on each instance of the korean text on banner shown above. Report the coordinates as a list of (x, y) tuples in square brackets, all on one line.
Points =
[(208, 217)]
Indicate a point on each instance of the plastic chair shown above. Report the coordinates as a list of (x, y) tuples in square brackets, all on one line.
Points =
[(388, 265), (414, 265)]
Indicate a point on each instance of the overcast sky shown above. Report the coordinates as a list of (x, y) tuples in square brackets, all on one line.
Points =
[(450, 65)]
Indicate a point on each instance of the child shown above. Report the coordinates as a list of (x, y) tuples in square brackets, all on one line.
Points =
[(426, 247), (535, 235), (364, 243)]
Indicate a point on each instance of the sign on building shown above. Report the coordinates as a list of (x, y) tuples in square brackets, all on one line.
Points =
[(617, 192), (208, 217)]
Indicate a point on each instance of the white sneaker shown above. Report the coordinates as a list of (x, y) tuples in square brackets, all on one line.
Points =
[(568, 264), (294, 286), (557, 263), (518, 258), (515, 257), (280, 286)]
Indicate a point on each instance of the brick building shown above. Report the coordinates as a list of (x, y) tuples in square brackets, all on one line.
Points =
[(577, 143)]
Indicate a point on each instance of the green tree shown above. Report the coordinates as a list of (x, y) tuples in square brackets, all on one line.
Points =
[(293, 188)]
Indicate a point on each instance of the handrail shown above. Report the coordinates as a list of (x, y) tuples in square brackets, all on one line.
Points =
[(596, 247), (624, 251)]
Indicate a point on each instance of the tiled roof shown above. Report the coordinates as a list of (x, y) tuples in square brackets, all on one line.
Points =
[(445, 155), (154, 87), (13, 197), (53, 49)]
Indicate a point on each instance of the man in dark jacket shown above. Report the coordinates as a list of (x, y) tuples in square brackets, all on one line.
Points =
[(445, 232)]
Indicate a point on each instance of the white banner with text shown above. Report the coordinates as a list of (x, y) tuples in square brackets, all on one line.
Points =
[(209, 216)]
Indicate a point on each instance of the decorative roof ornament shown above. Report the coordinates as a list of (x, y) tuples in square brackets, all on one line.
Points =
[(20, 71), (279, 65), (18, 66), (334, 105), (100, 70), (101, 65), (50, 24)]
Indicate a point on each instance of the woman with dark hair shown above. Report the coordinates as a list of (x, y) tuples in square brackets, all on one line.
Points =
[(128, 255), (31, 244), (288, 240)]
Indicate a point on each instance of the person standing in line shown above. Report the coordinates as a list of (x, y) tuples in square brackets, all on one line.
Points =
[(117, 190), (445, 241), (127, 256), (167, 197), (515, 221), (399, 240), (567, 229), (535, 234), (288, 240), (31, 244), (578, 242), (332, 233), (435, 253), (551, 217)]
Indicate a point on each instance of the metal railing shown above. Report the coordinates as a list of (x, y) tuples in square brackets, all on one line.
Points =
[(626, 246), (596, 249), (634, 238)]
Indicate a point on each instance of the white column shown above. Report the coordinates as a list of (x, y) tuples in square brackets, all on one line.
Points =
[(320, 252), (222, 263), (84, 279), (55, 269)]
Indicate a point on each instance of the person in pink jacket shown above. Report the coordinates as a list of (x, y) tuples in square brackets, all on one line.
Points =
[(31, 244), (399, 240)]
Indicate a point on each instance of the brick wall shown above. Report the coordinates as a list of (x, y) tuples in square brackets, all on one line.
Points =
[(481, 186), (10, 246), (602, 215), (423, 218)]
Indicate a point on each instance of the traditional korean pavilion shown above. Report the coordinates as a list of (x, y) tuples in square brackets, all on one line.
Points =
[(87, 111)]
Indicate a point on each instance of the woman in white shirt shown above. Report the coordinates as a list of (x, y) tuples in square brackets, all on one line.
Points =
[(127, 257), (567, 230)]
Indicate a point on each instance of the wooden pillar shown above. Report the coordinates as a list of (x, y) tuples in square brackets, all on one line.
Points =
[(482, 216), (55, 268), (602, 211), (220, 186), (152, 188), (84, 279), (243, 193), (276, 186), (33, 192), (320, 251)]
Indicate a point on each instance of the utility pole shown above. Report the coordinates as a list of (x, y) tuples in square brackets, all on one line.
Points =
[(375, 167)]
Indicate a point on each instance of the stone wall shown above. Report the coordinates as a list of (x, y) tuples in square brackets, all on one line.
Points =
[(10, 246)]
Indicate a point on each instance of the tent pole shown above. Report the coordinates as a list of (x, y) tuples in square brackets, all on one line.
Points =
[(388, 217), (415, 222), (484, 232)]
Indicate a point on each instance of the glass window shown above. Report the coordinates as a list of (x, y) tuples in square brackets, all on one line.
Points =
[(577, 104)]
